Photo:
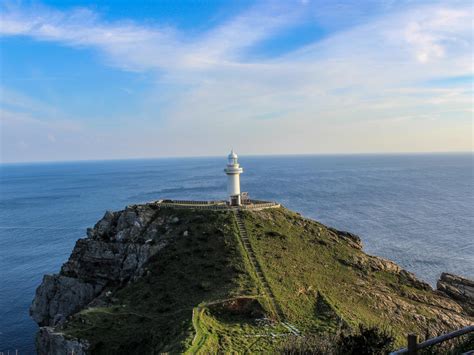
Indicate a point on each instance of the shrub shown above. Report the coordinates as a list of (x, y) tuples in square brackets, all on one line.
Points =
[(366, 341)]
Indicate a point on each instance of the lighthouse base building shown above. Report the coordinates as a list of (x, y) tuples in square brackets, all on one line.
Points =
[(236, 200)]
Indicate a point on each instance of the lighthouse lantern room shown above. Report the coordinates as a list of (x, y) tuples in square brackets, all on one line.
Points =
[(233, 171)]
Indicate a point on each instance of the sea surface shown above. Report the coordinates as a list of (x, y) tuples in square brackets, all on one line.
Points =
[(417, 210)]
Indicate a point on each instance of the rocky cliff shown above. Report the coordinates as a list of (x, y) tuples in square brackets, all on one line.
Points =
[(112, 255), (148, 279), (459, 289)]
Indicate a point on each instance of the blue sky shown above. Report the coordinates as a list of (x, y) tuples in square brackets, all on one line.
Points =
[(130, 79)]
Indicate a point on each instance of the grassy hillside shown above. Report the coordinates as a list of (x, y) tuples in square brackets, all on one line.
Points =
[(155, 313), (201, 293), (308, 264)]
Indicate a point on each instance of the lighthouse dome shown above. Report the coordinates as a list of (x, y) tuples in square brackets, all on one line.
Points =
[(232, 158)]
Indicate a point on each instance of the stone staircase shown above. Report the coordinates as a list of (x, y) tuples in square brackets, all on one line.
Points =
[(256, 266)]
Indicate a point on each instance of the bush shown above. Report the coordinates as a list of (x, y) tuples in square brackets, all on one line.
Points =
[(366, 341)]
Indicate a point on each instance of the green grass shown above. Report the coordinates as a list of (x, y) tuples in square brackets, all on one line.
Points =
[(306, 263), (155, 313), (312, 273)]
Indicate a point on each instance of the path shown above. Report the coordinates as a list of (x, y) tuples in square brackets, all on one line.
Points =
[(256, 266), (201, 334), (261, 277)]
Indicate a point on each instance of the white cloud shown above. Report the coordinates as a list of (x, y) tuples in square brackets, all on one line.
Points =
[(373, 72), (444, 28), (136, 47), (126, 44)]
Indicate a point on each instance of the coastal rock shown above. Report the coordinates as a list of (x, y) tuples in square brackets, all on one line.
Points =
[(369, 263), (58, 297), (458, 288), (412, 280), (102, 259), (134, 224), (102, 228), (448, 316), (106, 262), (353, 239), (51, 342)]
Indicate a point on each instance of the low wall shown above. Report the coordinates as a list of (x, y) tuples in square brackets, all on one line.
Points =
[(193, 206), (260, 206), (215, 205)]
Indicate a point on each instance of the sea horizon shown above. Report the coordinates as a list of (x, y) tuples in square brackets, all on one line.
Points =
[(245, 155)]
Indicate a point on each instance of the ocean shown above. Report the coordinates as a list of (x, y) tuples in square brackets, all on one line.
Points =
[(416, 209)]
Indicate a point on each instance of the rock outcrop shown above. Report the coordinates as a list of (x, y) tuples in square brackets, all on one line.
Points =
[(353, 239), (106, 262), (113, 254), (59, 296), (50, 342), (459, 289)]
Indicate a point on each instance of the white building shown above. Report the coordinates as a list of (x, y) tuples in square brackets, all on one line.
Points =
[(233, 171)]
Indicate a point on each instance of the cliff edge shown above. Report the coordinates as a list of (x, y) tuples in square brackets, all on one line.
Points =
[(152, 279)]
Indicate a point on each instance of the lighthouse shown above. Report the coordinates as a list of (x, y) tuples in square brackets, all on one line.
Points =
[(233, 171)]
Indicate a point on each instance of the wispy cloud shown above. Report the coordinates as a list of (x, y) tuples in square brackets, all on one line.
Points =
[(126, 44), (352, 77), (137, 47)]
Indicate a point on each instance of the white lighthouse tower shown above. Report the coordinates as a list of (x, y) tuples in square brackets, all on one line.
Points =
[(233, 171)]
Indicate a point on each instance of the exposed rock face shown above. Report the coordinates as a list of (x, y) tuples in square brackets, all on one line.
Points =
[(103, 262), (50, 342), (353, 239), (113, 254), (59, 296), (366, 263), (458, 288)]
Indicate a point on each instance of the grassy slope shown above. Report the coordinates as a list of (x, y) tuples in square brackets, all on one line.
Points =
[(299, 259), (302, 259), (155, 313)]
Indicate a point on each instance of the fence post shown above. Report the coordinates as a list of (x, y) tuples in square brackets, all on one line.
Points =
[(412, 343)]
